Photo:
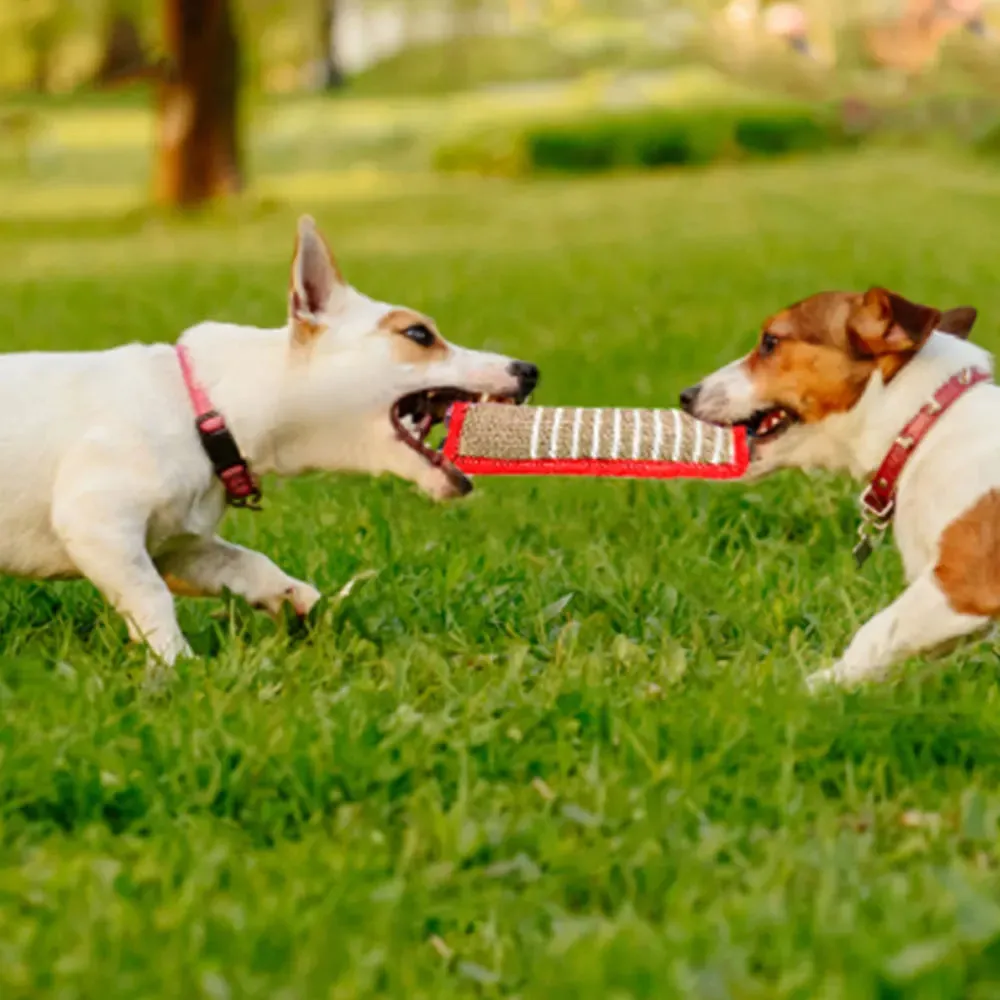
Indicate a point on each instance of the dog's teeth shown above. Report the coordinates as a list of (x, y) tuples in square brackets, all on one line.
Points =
[(484, 397)]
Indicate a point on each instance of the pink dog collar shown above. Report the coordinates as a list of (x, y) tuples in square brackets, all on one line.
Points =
[(242, 488)]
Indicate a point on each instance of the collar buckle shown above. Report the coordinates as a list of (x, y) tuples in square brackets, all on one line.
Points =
[(229, 465), (874, 510), (875, 521)]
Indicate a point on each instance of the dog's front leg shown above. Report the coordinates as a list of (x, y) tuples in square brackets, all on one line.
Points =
[(919, 620), (204, 566), (108, 547)]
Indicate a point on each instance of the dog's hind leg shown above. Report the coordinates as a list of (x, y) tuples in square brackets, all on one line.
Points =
[(108, 546), (205, 566), (919, 620)]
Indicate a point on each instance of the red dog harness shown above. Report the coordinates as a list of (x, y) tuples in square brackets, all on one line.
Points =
[(242, 489), (878, 501)]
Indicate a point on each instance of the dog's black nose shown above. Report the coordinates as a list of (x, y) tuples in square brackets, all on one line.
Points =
[(527, 376), (689, 396)]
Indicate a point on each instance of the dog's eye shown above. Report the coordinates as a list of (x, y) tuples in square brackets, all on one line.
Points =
[(419, 334), (768, 343)]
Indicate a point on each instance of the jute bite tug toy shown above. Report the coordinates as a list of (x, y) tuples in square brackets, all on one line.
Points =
[(493, 439)]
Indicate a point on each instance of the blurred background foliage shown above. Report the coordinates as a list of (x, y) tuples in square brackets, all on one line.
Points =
[(402, 47), (489, 86)]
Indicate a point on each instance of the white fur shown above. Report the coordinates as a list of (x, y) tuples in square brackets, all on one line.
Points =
[(728, 395), (955, 464), (105, 477)]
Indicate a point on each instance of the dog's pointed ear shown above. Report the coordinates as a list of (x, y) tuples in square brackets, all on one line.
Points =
[(886, 323), (958, 322), (315, 283)]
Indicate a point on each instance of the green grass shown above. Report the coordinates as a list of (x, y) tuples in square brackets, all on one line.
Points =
[(558, 745)]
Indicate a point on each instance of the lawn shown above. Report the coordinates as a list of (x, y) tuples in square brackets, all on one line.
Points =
[(554, 743)]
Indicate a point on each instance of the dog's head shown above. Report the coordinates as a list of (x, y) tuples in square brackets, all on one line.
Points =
[(812, 362), (367, 381)]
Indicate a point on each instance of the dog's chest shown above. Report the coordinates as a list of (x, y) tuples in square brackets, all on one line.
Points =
[(192, 515)]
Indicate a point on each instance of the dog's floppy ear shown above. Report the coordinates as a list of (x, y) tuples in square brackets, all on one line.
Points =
[(316, 280), (886, 323), (958, 322)]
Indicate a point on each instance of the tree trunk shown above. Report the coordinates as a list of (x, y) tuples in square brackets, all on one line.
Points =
[(198, 154), (333, 77), (42, 38), (124, 59), (41, 69)]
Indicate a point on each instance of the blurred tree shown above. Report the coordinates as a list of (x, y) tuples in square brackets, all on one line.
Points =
[(333, 76), (41, 38), (198, 154), (124, 58), (44, 24)]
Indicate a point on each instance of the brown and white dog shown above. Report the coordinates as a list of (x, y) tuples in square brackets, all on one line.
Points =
[(882, 387), (106, 476)]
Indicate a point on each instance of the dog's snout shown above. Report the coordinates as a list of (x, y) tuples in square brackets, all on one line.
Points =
[(527, 377), (689, 397)]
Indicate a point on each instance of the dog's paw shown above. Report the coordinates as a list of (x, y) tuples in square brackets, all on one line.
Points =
[(157, 679), (840, 675), (304, 598), (160, 673), (831, 677), (298, 597), (822, 680)]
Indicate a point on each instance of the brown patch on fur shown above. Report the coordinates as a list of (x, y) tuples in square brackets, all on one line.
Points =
[(886, 323), (829, 345), (406, 351), (304, 332), (968, 566), (181, 588), (958, 322), (813, 370)]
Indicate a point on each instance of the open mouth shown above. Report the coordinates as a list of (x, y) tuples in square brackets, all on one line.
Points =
[(415, 415), (766, 425)]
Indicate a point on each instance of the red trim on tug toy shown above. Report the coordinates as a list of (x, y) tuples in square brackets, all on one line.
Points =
[(231, 468), (878, 501), (600, 467)]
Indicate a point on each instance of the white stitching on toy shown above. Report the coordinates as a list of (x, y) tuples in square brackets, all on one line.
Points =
[(636, 435), (536, 430), (554, 439), (678, 435), (577, 424), (658, 435), (698, 440), (597, 434), (617, 441), (717, 453)]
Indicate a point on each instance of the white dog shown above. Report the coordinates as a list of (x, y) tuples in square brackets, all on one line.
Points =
[(891, 391), (108, 477)]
